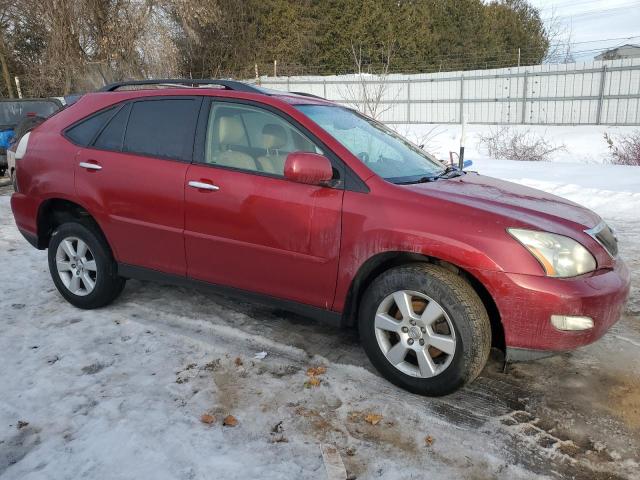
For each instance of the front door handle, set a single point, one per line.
(90, 166)
(203, 185)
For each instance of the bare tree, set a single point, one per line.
(63, 46)
(560, 38)
(368, 92)
(5, 13)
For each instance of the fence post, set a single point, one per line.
(324, 88)
(524, 97)
(461, 97)
(409, 101)
(603, 78)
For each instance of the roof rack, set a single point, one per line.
(304, 94)
(228, 84)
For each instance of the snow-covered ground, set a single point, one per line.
(583, 143)
(119, 393)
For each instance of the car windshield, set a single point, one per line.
(12, 111)
(384, 151)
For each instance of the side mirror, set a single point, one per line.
(310, 168)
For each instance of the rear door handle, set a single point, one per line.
(90, 166)
(203, 185)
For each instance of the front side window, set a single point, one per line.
(250, 138)
(384, 151)
(162, 128)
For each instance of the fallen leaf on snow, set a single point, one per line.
(230, 421)
(22, 424)
(314, 371)
(372, 418)
(279, 438)
(207, 418)
(312, 382)
(428, 440)
(238, 362)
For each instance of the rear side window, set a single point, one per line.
(84, 132)
(112, 136)
(162, 128)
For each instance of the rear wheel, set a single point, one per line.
(82, 266)
(425, 329)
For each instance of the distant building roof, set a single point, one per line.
(623, 51)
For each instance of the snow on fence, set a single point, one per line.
(603, 92)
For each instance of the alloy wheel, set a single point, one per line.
(76, 266)
(415, 334)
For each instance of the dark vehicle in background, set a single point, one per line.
(15, 111)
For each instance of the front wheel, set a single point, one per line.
(82, 266)
(425, 329)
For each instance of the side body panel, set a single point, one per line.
(139, 203)
(263, 234)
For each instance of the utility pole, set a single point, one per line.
(18, 89)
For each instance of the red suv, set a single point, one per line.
(297, 201)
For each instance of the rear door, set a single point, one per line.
(247, 226)
(131, 176)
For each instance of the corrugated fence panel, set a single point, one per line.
(573, 94)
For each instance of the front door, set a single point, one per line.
(248, 227)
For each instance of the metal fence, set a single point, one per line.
(605, 92)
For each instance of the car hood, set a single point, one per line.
(524, 204)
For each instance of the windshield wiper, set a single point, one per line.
(419, 180)
(450, 172)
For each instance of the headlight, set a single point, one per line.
(560, 256)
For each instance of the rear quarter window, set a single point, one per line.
(112, 136)
(84, 132)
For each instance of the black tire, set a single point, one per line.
(108, 285)
(464, 309)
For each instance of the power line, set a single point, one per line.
(606, 12)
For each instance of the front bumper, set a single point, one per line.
(526, 303)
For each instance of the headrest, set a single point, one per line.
(230, 131)
(273, 136)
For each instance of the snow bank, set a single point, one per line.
(584, 144)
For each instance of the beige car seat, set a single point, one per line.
(230, 132)
(274, 138)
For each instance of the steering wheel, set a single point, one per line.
(364, 156)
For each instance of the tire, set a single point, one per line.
(97, 264)
(443, 310)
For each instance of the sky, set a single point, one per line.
(595, 25)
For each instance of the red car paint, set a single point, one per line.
(307, 243)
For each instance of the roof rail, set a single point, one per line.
(228, 84)
(304, 94)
